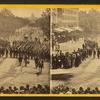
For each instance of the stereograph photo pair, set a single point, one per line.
(45, 51)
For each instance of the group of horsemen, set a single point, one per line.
(75, 58)
(25, 51)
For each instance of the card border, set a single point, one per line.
(49, 6)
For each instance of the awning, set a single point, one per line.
(64, 29)
(78, 28)
(59, 30)
(67, 29)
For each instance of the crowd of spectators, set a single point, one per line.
(39, 89)
(74, 59)
(61, 89)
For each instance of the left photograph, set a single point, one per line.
(24, 51)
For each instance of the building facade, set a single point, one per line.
(68, 17)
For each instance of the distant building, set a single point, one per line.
(65, 22)
(68, 17)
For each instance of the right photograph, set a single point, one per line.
(75, 52)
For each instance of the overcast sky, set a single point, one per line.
(25, 12)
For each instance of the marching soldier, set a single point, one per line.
(26, 60)
(98, 53)
(94, 53)
(6, 50)
(90, 52)
(20, 59)
(11, 52)
(31, 54)
(1, 50)
(36, 59)
(16, 52)
(41, 65)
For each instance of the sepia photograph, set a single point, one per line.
(24, 51)
(75, 54)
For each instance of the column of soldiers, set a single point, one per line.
(74, 59)
(25, 51)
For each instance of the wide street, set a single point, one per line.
(86, 75)
(13, 74)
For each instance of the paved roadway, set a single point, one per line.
(87, 74)
(13, 74)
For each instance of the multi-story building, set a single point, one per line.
(64, 20)
(68, 17)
